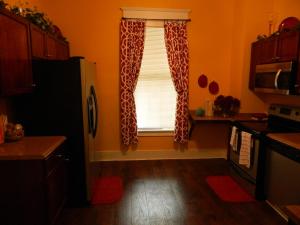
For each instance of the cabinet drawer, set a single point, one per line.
(53, 160)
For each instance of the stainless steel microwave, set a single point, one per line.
(277, 78)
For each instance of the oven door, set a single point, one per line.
(234, 156)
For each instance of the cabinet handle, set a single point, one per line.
(59, 156)
(33, 85)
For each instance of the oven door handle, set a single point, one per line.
(239, 141)
(252, 152)
(276, 78)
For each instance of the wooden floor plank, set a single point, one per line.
(169, 192)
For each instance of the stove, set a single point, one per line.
(247, 154)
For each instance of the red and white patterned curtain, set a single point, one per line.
(178, 58)
(131, 52)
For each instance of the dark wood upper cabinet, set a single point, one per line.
(15, 56)
(62, 50)
(279, 48)
(37, 42)
(46, 46)
(266, 51)
(288, 46)
(50, 47)
(20, 41)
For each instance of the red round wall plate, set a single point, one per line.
(202, 81)
(213, 88)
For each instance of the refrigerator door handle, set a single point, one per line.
(94, 122)
(90, 113)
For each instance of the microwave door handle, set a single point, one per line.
(276, 78)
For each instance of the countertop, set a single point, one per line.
(29, 148)
(237, 117)
(293, 212)
(194, 119)
(290, 139)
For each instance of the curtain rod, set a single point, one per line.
(188, 20)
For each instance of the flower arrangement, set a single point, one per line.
(34, 16)
(226, 105)
(38, 18)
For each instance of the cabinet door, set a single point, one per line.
(56, 189)
(62, 50)
(37, 42)
(288, 46)
(50, 47)
(15, 57)
(267, 51)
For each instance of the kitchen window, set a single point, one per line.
(155, 95)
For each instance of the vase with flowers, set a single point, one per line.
(226, 106)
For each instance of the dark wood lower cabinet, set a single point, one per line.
(32, 192)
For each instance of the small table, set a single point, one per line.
(194, 119)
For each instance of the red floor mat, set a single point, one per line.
(107, 190)
(228, 190)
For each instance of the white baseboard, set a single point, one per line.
(160, 154)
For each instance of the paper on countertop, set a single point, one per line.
(233, 138)
(245, 151)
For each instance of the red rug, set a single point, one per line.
(228, 190)
(107, 190)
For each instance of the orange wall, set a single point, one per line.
(219, 35)
(283, 9)
(93, 31)
(247, 27)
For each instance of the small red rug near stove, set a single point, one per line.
(227, 189)
(107, 190)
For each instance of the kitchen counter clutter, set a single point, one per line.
(30, 148)
(33, 180)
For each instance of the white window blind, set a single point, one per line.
(155, 96)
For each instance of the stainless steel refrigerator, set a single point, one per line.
(64, 103)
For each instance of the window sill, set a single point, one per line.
(155, 133)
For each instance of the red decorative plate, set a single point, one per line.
(202, 81)
(213, 88)
(288, 24)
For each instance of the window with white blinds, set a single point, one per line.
(155, 95)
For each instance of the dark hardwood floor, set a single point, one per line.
(170, 192)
